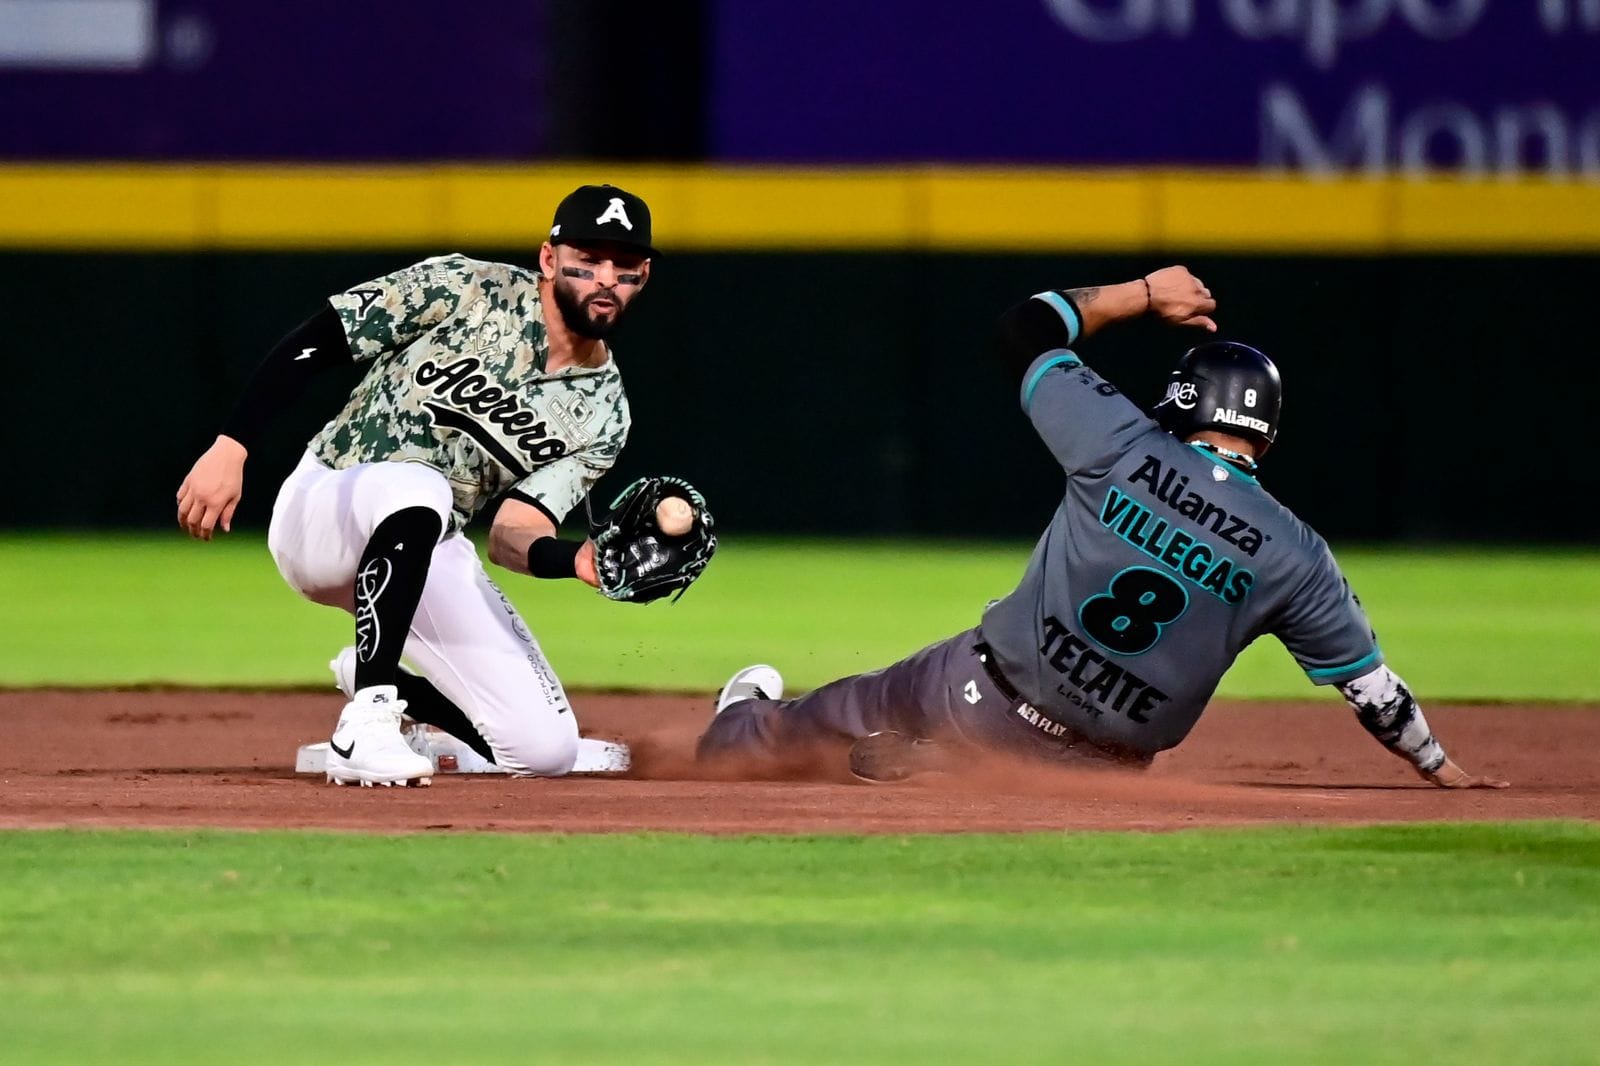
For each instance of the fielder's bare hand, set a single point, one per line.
(210, 493)
(1179, 297)
(1449, 775)
(584, 565)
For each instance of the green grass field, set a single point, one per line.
(1472, 944)
(102, 609)
(1463, 943)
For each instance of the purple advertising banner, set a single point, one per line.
(323, 80)
(1374, 86)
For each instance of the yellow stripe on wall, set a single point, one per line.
(696, 208)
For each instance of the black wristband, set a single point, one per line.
(549, 557)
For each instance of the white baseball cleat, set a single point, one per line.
(596, 756)
(759, 682)
(367, 747)
(343, 666)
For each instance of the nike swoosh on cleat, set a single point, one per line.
(344, 753)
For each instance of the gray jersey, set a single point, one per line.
(1162, 563)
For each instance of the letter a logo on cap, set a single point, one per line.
(614, 213)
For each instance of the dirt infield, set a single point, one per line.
(183, 758)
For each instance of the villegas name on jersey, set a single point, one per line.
(1184, 554)
(470, 403)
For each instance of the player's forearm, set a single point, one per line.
(551, 557)
(511, 541)
(1386, 709)
(523, 540)
(1099, 306)
(311, 348)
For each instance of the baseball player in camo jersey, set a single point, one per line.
(484, 380)
(1164, 560)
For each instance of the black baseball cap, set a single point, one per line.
(603, 213)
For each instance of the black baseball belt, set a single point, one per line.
(992, 668)
(1048, 724)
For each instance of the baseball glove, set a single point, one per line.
(636, 561)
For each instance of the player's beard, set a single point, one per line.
(575, 312)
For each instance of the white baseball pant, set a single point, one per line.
(465, 638)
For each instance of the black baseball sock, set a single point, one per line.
(428, 705)
(388, 587)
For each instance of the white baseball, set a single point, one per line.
(674, 516)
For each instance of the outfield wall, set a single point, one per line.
(1399, 201)
(1427, 396)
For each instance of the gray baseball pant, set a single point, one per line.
(943, 692)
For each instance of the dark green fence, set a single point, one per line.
(1425, 398)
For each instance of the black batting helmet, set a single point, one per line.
(1224, 386)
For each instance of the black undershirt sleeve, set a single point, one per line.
(314, 346)
(1025, 332)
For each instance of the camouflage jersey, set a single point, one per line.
(457, 381)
